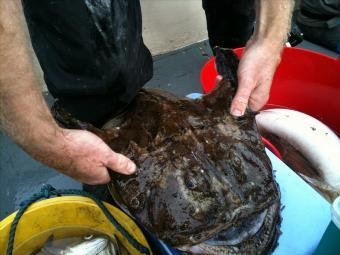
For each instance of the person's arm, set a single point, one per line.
(262, 54)
(25, 117)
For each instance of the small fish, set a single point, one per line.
(89, 246)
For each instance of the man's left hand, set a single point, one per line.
(255, 75)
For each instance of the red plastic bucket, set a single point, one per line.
(305, 81)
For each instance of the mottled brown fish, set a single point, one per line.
(204, 182)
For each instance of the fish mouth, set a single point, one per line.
(256, 234)
(238, 234)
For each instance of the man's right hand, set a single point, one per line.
(85, 157)
(25, 117)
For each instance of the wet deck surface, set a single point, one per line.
(21, 176)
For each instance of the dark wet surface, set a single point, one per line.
(21, 176)
(200, 170)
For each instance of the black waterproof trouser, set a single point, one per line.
(92, 51)
(319, 20)
(230, 23)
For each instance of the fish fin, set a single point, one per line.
(48, 248)
(66, 120)
(220, 98)
(227, 64)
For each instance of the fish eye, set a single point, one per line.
(134, 202)
(191, 183)
(195, 179)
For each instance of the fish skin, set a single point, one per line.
(200, 170)
(95, 246)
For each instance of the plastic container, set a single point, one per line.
(64, 217)
(305, 81)
(330, 242)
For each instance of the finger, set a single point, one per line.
(121, 164)
(259, 98)
(260, 95)
(240, 101)
(102, 177)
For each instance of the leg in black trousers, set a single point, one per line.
(230, 23)
(92, 53)
(93, 57)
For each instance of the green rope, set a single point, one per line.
(46, 192)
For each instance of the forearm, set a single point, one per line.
(273, 20)
(262, 55)
(24, 114)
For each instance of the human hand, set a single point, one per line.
(255, 75)
(85, 157)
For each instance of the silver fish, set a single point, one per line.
(89, 246)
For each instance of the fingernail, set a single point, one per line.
(131, 167)
(236, 113)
